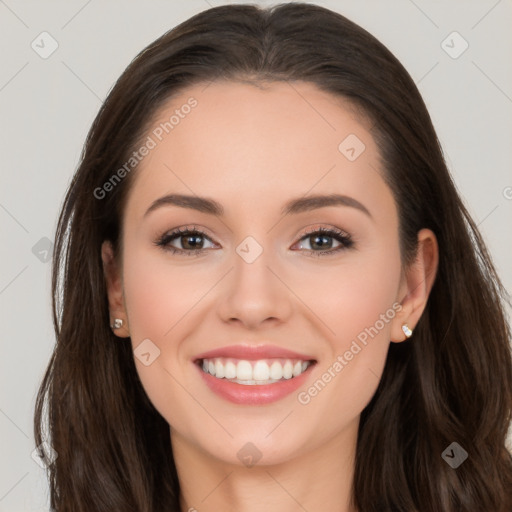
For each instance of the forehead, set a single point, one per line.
(257, 144)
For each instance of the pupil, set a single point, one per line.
(193, 245)
(321, 237)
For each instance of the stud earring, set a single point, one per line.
(118, 323)
(407, 330)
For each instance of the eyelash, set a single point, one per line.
(342, 237)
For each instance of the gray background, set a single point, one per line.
(47, 106)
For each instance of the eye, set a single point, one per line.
(319, 238)
(190, 240)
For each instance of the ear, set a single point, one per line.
(116, 304)
(416, 285)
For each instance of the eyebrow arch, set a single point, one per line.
(294, 206)
(309, 203)
(201, 204)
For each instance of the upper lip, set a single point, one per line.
(251, 352)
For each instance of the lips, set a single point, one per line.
(251, 353)
(253, 375)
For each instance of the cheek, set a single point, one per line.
(370, 291)
(358, 310)
(351, 297)
(160, 299)
(158, 294)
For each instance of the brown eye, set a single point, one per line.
(190, 240)
(321, 241)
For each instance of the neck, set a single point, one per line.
(319, 479)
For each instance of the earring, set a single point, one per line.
(118, 323)
(407, 330)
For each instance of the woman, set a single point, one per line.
(254, 375)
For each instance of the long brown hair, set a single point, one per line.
(451, 383)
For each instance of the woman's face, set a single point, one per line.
(265, 276)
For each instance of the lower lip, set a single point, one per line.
(256, 394)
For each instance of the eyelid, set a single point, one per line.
(322, 228)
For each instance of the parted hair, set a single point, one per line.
(452, 381)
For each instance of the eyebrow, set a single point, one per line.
(294, 206)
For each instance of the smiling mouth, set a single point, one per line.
(257, 372)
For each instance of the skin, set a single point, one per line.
(252, 149)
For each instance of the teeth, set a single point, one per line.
(230, 370)
(219, 369)
(265, 371)
(244, 370)
(261, 371)
(276, 371)
(288, 370)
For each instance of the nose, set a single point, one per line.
(255, 291)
